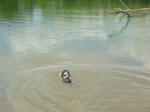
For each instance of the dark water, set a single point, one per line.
(108, 56)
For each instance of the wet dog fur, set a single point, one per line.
(66, 77)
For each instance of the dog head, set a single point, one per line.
(66, 77)
(65, 74)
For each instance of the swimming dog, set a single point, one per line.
(66, 77)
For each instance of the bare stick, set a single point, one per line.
(118, 11)
(126, 11)
(139, 10)
(124, 5)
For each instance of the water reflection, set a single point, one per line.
(116, 33)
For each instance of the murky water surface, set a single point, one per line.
(108, 56)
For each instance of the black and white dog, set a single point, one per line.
(66, 77)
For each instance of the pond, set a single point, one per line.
(107, 56)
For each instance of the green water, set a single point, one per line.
(108, 56)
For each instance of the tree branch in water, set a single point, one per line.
(127, 11)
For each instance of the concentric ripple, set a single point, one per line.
(95, 89)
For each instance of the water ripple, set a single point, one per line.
(95, 89)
